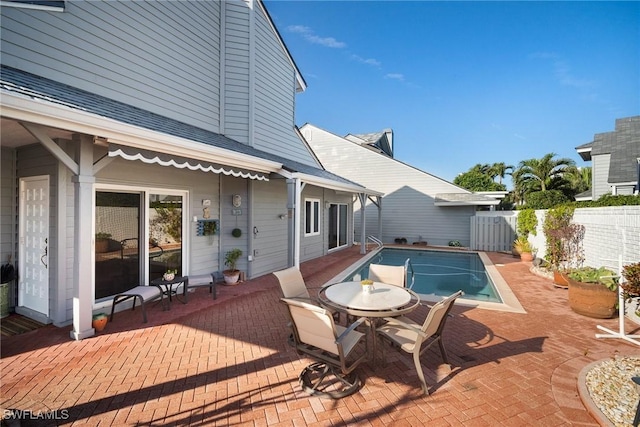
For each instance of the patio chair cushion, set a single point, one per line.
(199, 280)
(143, 294)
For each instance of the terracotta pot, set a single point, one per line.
(526, 257)
(100, 323)
(592, 299)
(560, 280)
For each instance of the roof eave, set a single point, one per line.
(53, 115)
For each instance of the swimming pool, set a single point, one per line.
(439, 273)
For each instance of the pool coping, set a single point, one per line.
(509, 302)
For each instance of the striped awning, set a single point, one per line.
(163, 159)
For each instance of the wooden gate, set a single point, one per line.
(494, 232)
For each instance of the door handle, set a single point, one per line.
(46, 252)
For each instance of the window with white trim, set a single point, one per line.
(311, 217)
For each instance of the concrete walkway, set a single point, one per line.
(227, 362)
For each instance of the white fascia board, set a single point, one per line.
(329, 183)
(66, 118)
(460, 203)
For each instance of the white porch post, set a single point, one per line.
(363, 233)
(83, 247)
(296, 229)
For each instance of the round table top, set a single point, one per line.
(384, 297)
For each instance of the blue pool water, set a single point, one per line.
(439, 273)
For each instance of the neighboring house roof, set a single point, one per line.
(586, 195)
(18, 82)
(381, 142)
(462, 199)
(623, 145)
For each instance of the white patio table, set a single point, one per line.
(384, 300)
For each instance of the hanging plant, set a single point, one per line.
(210, 228)
(236, 232)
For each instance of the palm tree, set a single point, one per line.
(545, 173)
(579, 178)
(501, 170)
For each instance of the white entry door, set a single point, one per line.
(33, 283)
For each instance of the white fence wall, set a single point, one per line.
(610, 232)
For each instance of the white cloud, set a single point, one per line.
(562, 70)
(395, 76)
(369, 61)
(309, 35)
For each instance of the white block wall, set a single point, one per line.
(609, 233)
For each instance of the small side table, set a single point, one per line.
(168, 288)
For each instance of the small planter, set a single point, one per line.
(560, 280)
(231, 278)
(526, 257)
(592, 299)
(168, 276)
(99, 322)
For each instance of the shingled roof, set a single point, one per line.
(39, 88)
(623, 145)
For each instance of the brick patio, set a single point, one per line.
(227, 362)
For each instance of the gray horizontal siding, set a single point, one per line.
(236, 71)
(600, 170)
(158, 56)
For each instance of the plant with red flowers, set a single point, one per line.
(631, 284)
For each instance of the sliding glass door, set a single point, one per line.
(139, 236)
(165, 234)
(337, 225)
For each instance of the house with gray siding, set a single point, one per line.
(615, 157)
(131, 131)
(416, 205)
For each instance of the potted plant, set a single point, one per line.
(564, 243)
(527, 222)
(593, 292)
(170, 275)
(99, 321)
(522, 246)
(232, 274)
(102, 242)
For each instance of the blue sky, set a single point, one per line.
(462, 83)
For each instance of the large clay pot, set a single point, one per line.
(592, 299)
(560, 280)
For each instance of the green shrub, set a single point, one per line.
(546, 199)
(527, 222)
(609, 200)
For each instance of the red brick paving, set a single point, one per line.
(226, 362)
